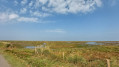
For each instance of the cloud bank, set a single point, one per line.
(34, 10)
(5, 17)
(63, 6)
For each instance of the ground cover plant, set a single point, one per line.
(62, 53)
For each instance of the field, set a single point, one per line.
(61, 53)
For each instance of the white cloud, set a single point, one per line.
(99, 3)
(65, 6)
(23, 2)
(13, 16)
(27, 19)
(56, 31)
(68, 6)
(10, 17)
(73, 6)
(6, 17)
(31, 3)
(39, 14)
(37, 4)
(15, 2)
(36, 9)
(43, 1)
(46, 9)
(23, 10)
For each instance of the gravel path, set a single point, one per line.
(3, 62)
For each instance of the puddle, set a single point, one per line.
(94, 43)
(30, 47)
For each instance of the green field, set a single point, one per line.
(60, 53)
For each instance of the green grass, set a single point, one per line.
(14, 61)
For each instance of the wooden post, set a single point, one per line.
(63, 55)
(36, 52)
(35, 49)
(108, 62)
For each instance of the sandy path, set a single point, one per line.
(3, 62)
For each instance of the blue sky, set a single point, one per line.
(59, 20)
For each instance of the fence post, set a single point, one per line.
(108, 62)
(35, 49)
(36, 52)
(63, 55)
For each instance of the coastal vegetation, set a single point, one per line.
(61, 53)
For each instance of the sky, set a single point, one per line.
(59, 20)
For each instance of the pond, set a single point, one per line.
(30, 47)
(94, 43)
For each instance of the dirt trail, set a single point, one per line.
(3, 62)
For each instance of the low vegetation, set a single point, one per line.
(60, 54)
